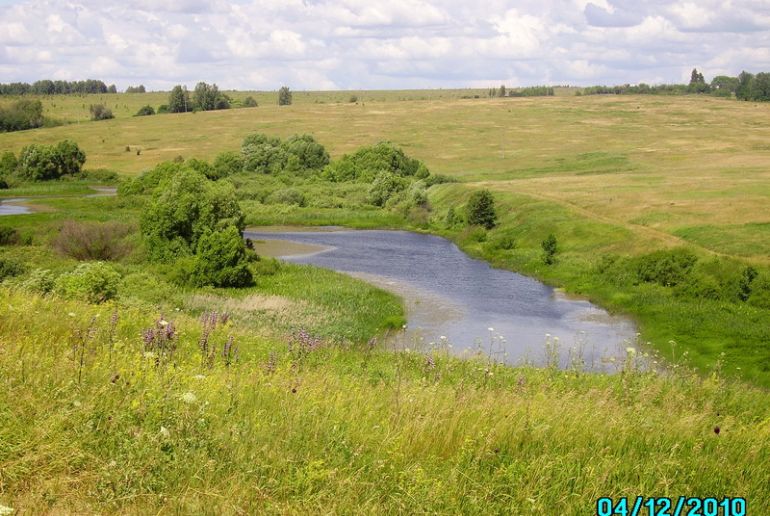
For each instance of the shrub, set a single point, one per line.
(284, 96)
(147, 110)
(93, 241)
(21, 115)
(353, 99)
(10, 268)
(221, 260)
(666, 267)
(94, 282)
(227, 163)
(249, 102)
(40, 281)
(290, 196)
(8, 163)
(183, 210)
(9, 236)
(149, 180)
(100, 112)
(263, 155)
(384, 186)
(367, 162)
(481, 209)
(438, 179)
(4, 184)
(304, 153)
(100, 174)
(45, 162)
(760, 292)
(163, 108)
(550, 248)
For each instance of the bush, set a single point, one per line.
(22, 115)
(760, 292)
(93, 241)
(9, 236)
(666, 267)
(100, 112)
(227, 163)
(221, 260)
(163, 108)
(284, 96)
(46, 162)
(304, 153)
(290, 196)
(249, 102)
(94, 282)
(100, 174)
(149, 180)
(438, 179)
(147, 110)
(263, 155)
(40, 281)
(384, 186)
(10, 268)
(367, 162)
(183, 210)
(481, 209)
(550, 248)
(8, 164)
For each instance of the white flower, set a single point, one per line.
(199, 377)
(5, 511)
(547, 335)
(164, 431)
(491, 329)
(76, 403)
(443, 337)
(631, 351)
(163, 323)
(189, 398)
(71, 314)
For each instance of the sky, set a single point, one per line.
(355, 44)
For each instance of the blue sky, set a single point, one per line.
(346, 44)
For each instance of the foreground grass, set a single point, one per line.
(93, 421)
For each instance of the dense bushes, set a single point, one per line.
(207, 97)
(667, 268)
(21, 115)
(221, 260)
(147, 110)
(49, 87)
(10, 268)
(269, 155)
(367, 162)
(93, 241)
(94, 282)
(45, 162)
(9, 236)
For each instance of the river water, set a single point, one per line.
(452, 298)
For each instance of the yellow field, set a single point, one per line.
(665, 167)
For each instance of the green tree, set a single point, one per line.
(179, 100)
(367, 162)
(759, 88)
(221, 260)
(724, 85)
(263, 154)
(8, 163)
(743, 91)
(45, 162)
(481, 209)
(284, 96)
(227, 163)
(384, 186)
(550, 248)
(305, 153)
(182, 209)
(501, 91)
(697, 82)
(208, 97)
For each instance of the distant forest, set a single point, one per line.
(49, 87)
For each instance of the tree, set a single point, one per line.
(501, 91)
(221, 260)
(21, 115)
(136, 89)
(45, 162)
(697, 82)
(284, 96)
(179, 100)
(550, 247)
(481, 209)
(304, 153)
(112, 89)
(367, 162)
(759, 88)
(724, 85)
(183, 208)
(743, 91)
(100, 112)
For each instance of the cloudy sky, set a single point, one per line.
(356, 44)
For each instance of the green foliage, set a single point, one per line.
(221, 260)
(149, 180)
(666, 267)
(94, 282)
(386, 184)
(760, 292)
(724, 85)
(249, 102)
(743, 91)
(207, 97)
(290, 196)
(226, 164)
(304, 153)
(93, 240)
(145, 111)
(480, 209)
(179, 100)
(759, 89)
(100, 112)
(40, 281)
(183, 209)
(697, 83)
(101, 175)
(163, 108)
(284, 96)
(21, 115)
(550, 248)
(9, 236)
(263, 155)
(10, 268)
(46, 162)
(136, 89)
(748, 276)
(367, 162)
(8, 164)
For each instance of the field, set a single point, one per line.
(97, 420)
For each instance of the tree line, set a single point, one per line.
(746, 86)
(530, 91)
(50, 87)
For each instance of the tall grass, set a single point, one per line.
(94, 421)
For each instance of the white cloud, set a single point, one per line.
(380, 44)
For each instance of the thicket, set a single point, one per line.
(100, 112)
(21, 115)
(45, 162)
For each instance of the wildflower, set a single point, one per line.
(199, 377)
(164, 431)
(631, 351)
(71, 314)
(189, 398)
(5, 511)
(443, 337)
(163, 323)
(76, 403)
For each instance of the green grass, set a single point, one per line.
(94, 425)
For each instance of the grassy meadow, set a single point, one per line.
(310, 415)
